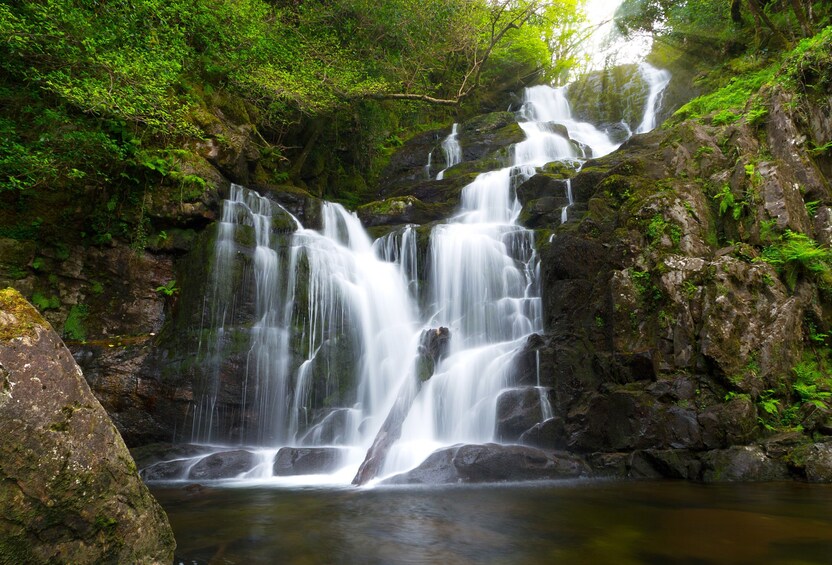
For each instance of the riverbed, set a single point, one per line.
(539, 523)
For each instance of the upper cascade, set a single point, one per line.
(452, 151)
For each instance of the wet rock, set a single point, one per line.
(223, 465)
(486, 133)
(331, 430)
(624, 419)
(433, 346)
(69, 490)
(403, 210)
(665, 463)
(167, 470)
(492, 463)
(548, 434)
(307, 460)
(437, 469)
(151, 453)
(741, 463)
(813, 462)
(731, 423)
(609, 95)
(518, 410)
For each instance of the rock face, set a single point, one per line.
(609, 96)
(69, 490)
(668, 340)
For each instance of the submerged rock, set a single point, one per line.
(69, 490)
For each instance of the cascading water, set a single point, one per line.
(452, 151)
(338, 318)
(657, 81)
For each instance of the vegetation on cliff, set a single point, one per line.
(107, 96)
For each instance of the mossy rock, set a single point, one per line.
(69, 490)
(486, 123)
(609, 96)
(18, 318)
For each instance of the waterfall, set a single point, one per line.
(484, 286)
(657, 80)
(243, 210)
(338, 317)
(452, 151)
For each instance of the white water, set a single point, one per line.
(657, 80)
(338, 317)
(452, 151)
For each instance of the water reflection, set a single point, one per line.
(576, 522)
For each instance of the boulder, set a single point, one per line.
(223, 465)
(307, 460)
(69, 490)
(665, 463)
(741, 463)
(548, 434)
(331, 430)
(492, 462)
(813, 462)
(433, 346)
(518, 410)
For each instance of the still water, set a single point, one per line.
(540, 523)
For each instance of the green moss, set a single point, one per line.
(728, 102)
(390, 206)
(74, 326)
(41, 302)
(19, 317)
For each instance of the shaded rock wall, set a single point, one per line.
(665, 331)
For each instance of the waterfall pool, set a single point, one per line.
(526, 523)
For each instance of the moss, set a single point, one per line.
(389, 207)
(41, 302)
(488, 122)
(74, 326)
(17, 317)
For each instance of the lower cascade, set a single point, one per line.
(365, 357)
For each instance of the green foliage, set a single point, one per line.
(659, 226)
(43, 303)
(74, 326)
(812, 384)
(727, 104)
(770, 406)
(642, 281)
(168, 289)
(795, 255)
(727, 202)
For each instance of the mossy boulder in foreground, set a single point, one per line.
(69, 490)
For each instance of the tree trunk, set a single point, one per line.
(760, 14)
(297, 165)
(797, 8)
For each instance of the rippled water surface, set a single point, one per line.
(583, 522)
